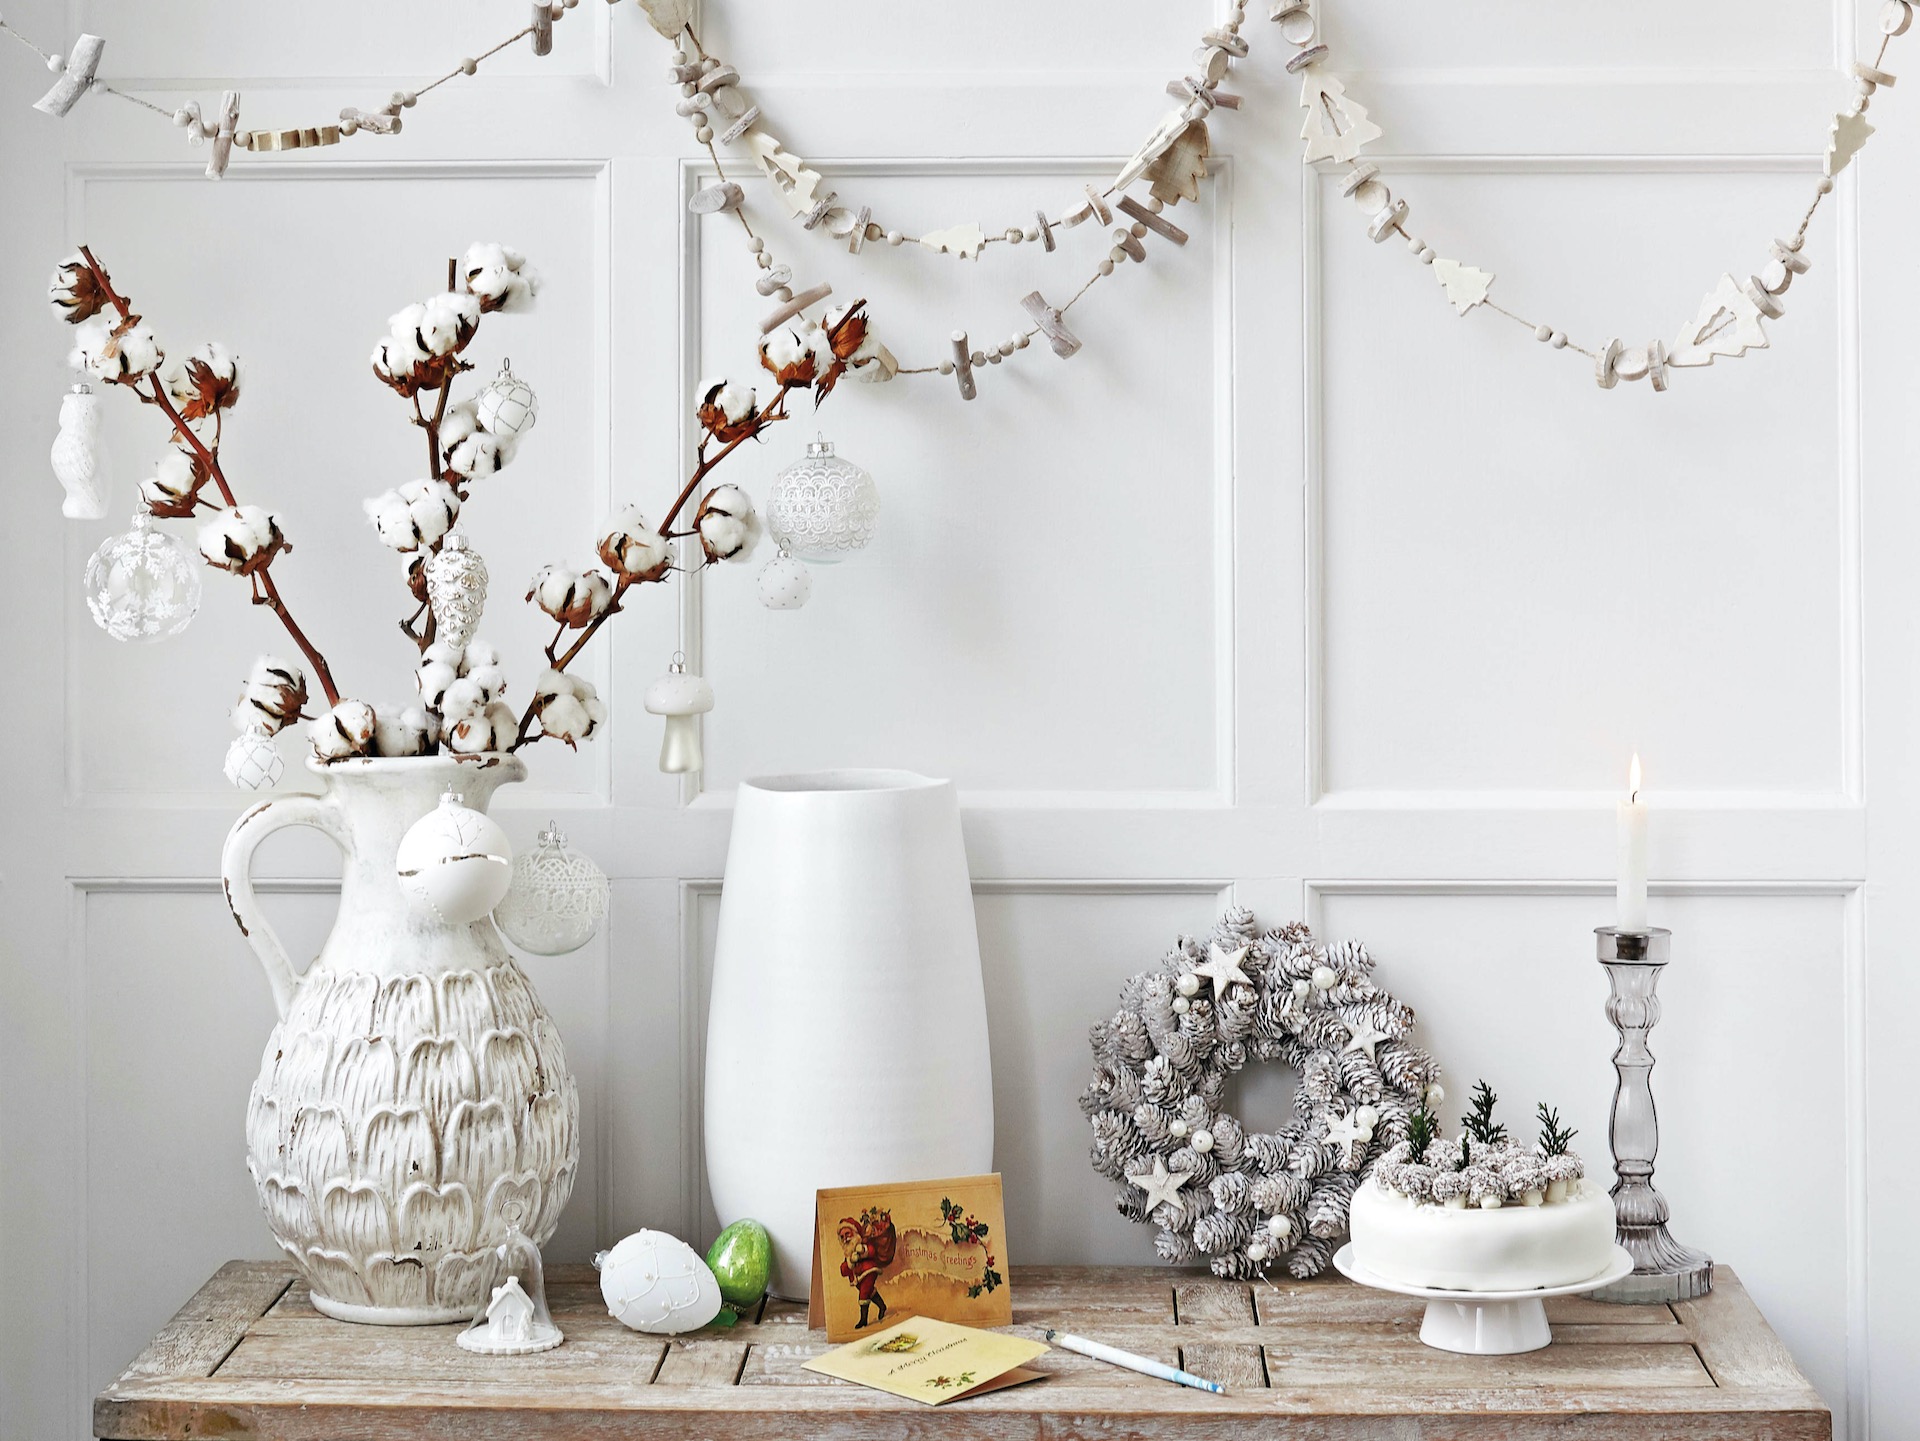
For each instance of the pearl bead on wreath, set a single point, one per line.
(1188, 985)
(1324, 978)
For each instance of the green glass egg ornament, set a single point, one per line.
(741, 1258)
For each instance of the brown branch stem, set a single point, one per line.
(271, 592)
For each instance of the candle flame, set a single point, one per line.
(1633, 778)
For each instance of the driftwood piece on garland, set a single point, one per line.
(1063, 341)
(793, 307)
(963, 365)
(1158, 224)
(229, 124)
(75, 80)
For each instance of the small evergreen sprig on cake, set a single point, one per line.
(1481, 1167)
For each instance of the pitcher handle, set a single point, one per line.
(236, 863)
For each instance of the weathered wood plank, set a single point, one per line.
(1213, 1303)
(209, 1326)
(1238, 1368)
(1737, 1345)
(1307, 1362)
(702, 1363)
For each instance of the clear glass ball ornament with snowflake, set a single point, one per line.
(143, 585)
(823, 507)
(557, 899)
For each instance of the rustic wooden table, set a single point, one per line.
(248, 1356)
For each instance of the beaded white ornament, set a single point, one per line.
(508, 406)
(457, 590)
(253, 760)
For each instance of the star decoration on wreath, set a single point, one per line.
(1160, 1185)
(1223, 969)
(1216, 1189)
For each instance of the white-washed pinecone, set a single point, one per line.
(1309, 1158)
(1229, 1141)
(1231, 1056)
(1231, 1190)
(1176, 1049)
(1112, 1167)
(1349, 957)
(1130, 1037)
(1219, 1231)
(1131, 1204)
(1125, 1094)
(1175, 1215)
(1202, 1167)
(1197, 1114)
(1236, 1265)
(1173, 1247)
(1115, 1134)
(1281, 1194)
(1268, 1153)
(1156, 1007)
(1361, 1078)
(1327, 1207)
(1405, 1068)
(1310, 1257)
(1158, 1082)
(1097, 1095)
(1234, 1018)
(1319, 1077)
(1212, 1087)
(1151, 1121)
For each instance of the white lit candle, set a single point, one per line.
(1631, 887)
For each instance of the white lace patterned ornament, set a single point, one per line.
(457, 590)
(144, 585)
(253, 760)
(79, 457)
(454, 863)
(822, 508)
(508, 406)
(557, 900)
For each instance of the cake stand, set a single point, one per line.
(1484, 1323)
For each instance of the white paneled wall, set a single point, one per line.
(1292, 588)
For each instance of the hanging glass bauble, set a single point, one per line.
(457, 590)
(253, 760)
(822, 508)
(144, 585)
(557, 900)
(508, 406)
(785, 583)
(80, 457)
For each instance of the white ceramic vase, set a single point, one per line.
(414, 1099)
(847, 1022)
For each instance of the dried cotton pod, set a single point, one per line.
(126, 352)
(728, 525)
(242, 539)
(574, 598)
(273, 698)
(418, 513)
(634, 550)
(499, 277)
(75, 294)
(346, 730)
(729, 412)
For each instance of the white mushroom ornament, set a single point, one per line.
(680, 697)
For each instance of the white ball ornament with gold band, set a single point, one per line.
(454, 863)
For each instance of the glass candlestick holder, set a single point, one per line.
(1663, 1269)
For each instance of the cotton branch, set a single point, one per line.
(265, 591)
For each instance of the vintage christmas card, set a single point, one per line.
(916, 1248)
(933, 1361)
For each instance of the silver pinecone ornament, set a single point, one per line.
(457, 590)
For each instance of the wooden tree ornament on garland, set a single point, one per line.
(1246, 1200)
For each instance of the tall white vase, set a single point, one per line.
(847, 1026)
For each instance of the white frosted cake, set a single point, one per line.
(1481, 1213)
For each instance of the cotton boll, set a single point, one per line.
(346, 730)
(463, 698)
(203, 382)
(448, 655)
(398, 732)
(113, 358)
(75, 294)
(568, 707)
(633, 549)
(476, 654)
(728, 411)
(457, 424)
(447, 322)
(480, 454)
(729, 526)
(417, 514)
(491, 729)
(241, 539)
(272, 698)
(500, 277)
(792, 353)
(575, 599)
(169, 491)
(433, 679)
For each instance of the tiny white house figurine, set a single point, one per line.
(513, 1319)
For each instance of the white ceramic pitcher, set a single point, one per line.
(414, 1098)
(847, 1022)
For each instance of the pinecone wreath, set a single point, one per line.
(1160, 1071)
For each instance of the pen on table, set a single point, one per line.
(1142, 1364)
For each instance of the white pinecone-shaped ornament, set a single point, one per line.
(457, 590)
